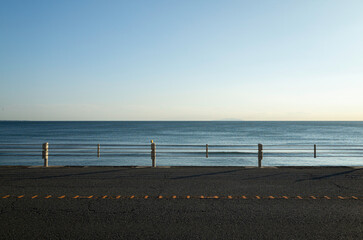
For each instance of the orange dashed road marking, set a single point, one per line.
(186, 197)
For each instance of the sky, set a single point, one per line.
(181, 60)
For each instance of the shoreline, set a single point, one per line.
(163, 167)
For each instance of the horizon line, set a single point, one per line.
(181, 120)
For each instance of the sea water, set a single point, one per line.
(185, 132)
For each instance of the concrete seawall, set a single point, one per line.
(181, 202)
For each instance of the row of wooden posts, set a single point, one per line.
(153, 153)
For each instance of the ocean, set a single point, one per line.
(189, 133)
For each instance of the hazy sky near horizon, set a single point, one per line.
(181, 60)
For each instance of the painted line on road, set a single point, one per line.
(257, 197)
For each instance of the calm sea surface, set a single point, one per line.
(218, 132)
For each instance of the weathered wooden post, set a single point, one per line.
(45, 154)
(206, 150)
(260, 155)
(314, 150)
(98, 150)
(153, 153)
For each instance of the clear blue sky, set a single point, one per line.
(181, 60)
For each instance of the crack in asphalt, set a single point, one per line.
(89, 207)
(339, 186)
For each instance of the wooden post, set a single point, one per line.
(206, 150)
(314, 150)
(45, 154)
(260, 155)
(98, 150)
(153, 153)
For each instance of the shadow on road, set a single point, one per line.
(79, 174)
(328, 176)
(265, 176)
(224, 172)
(206, 174)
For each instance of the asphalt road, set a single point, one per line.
(181, 203)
